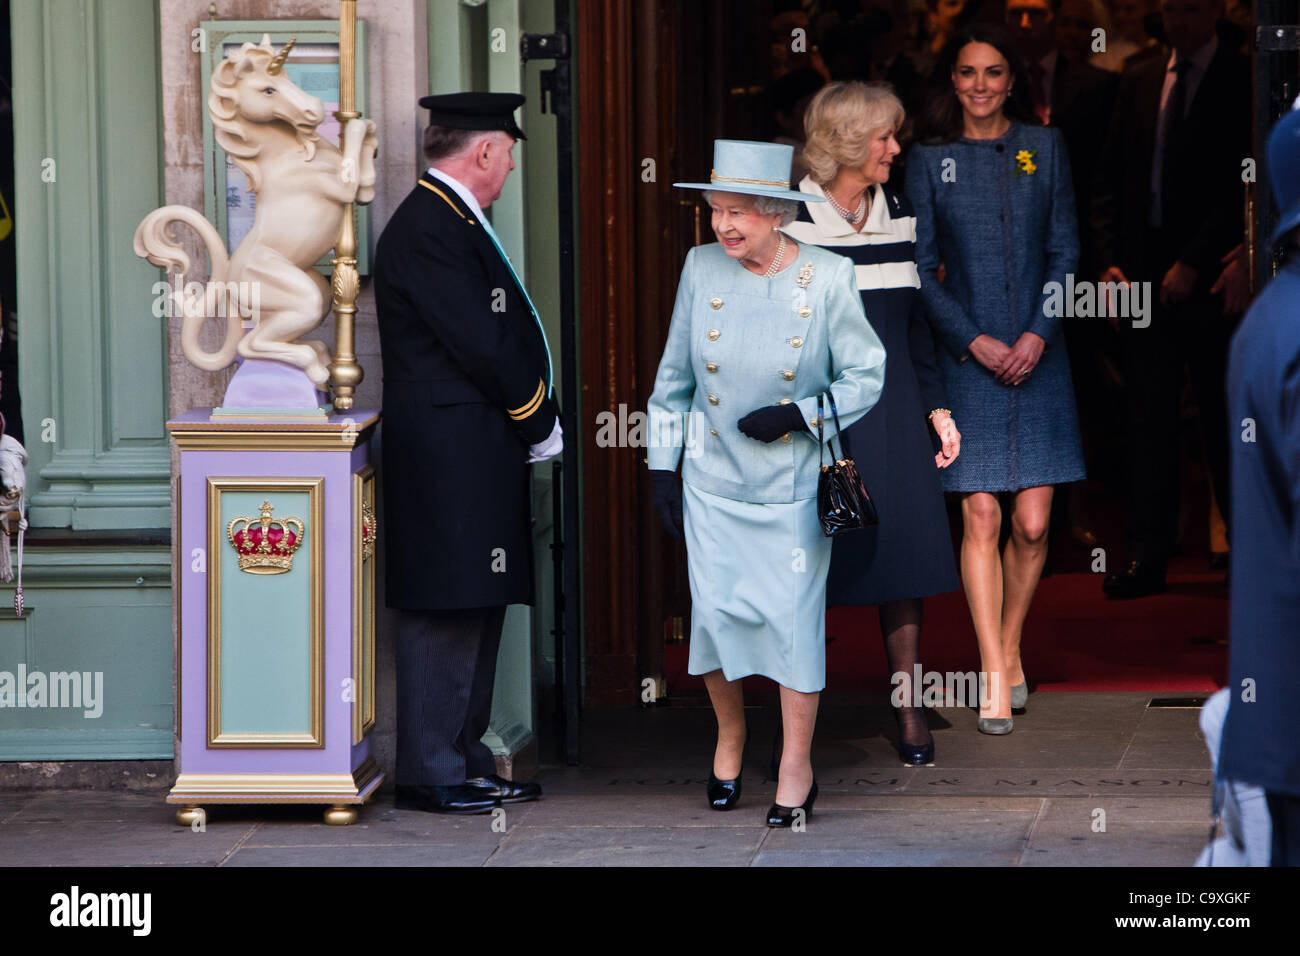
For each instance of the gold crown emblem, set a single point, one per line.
(266, 545)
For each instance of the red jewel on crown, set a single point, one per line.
(368, 531)
(265, 545)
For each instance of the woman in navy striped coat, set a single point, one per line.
(901, 444)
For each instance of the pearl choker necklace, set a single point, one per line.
(852, 217)
(775, 267)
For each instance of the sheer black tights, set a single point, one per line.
(900, 623)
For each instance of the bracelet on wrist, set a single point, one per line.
(937, 411)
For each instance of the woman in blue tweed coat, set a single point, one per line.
(995, 208)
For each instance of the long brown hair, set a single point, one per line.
(940, 119)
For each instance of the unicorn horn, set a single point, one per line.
(278, 62)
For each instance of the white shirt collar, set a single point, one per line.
(832, 225)
(1201, 58)
(461, 190)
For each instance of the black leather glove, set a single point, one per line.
(668, 502)
(770, 422)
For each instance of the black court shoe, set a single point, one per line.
(784, 817)
(723, 794)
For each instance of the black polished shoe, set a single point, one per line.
(916, 755)
(1139, 579)
(780, 816)
(445, 799)
(507, 791)
(723, 794)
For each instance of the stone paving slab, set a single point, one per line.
(1141, 844)
(116, 843)
(381, 824)
(910, 856)
(629, 846)
(363, 855)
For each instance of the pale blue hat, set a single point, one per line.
(756, 169)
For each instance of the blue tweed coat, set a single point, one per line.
(1000, 238)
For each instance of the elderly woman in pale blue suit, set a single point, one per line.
(761, 328)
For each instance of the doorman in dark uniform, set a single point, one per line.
(467, 406)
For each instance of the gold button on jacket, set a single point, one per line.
(750, 341)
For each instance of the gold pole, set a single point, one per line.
(345, 373)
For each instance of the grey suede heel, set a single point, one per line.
(996, 725)
(1019, 696)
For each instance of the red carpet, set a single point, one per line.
(1075, 639)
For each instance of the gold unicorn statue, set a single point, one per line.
(303, 186)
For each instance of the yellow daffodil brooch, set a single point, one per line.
(1025, 162)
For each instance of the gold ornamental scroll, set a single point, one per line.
(345, 373)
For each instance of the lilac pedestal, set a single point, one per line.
(276, 691)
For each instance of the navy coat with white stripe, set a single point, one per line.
(909, 554)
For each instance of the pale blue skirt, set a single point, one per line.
(758, 589)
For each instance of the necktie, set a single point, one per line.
(496, 241)
(1172, 143)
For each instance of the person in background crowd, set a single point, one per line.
(1002, 228)
(908, 556)
(785, 57)
(1260, 744)
(1125, 36)
(1077, 23)
(1167, 211)
(942, 20)
(789, 97)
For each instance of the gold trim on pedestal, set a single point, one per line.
(263, 436)
(195, 789)
(315, 488)
(363, 621)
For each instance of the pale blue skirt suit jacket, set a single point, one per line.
(756, 555)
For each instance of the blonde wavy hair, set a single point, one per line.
(840, 122)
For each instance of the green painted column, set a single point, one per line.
(98, 621)
(93, 354)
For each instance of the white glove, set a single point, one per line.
(552, 446)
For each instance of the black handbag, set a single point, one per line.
(843, 502)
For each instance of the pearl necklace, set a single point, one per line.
(775, 267)
(852, 217)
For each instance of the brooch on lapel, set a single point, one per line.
(1025, 162)
(800, 291)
